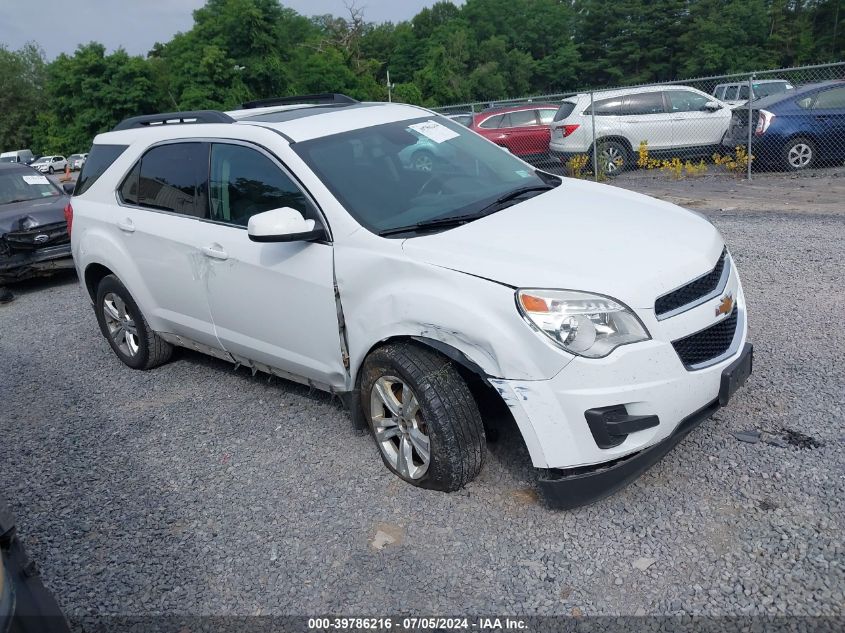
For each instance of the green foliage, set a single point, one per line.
(21, 94)
(240, 50)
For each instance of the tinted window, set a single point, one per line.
(719, 92)
(607, 107)
(129, 187)
(492, 122)
(644, 103)
(765, 90)
(564, 110)
(743, 91)
(830, 99)
(686, 101)
(173, 178)
(520, 118)
(244, 182)
(99, 160)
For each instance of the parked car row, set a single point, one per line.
(793, 128)
(45, 164)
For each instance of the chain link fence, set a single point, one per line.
(787, 119)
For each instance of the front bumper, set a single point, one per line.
(579, 486)
(41, 261)
(596, 415)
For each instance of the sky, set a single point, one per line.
(60, 25)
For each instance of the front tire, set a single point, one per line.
(50, 170)
(125, 328)
(799, 154)
(423, 417)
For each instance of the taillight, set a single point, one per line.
(69, 217)
(569, 129)
(764, 120)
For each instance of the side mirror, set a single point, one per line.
(712, 106)
(283, 225)
(69, 187)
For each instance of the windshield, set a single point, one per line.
(8, 159)
(403, 173)
(765, 90)
(17, 186)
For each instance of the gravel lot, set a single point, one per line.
(196, 489)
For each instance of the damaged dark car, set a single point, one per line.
(34, 239)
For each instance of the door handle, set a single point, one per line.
(127, 226)
(215, 251)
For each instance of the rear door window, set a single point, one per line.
(174, 177)
(644, 103)
(719, 93)
(492, 123)
(520, 118)
(730, 93)
(99, 160)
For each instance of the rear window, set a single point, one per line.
(99, 160)
(564, 110)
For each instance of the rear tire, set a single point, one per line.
(799, 154)
(423, 417)
(125, 328)
(613, 158)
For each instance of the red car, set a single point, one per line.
(522, 129)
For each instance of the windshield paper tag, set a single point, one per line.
(434, 131)
(36, 180)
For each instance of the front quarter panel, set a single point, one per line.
(386, 295)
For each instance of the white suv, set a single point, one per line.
(50, 164)
(292, 239)
(674, 121)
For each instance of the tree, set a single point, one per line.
(22, 77)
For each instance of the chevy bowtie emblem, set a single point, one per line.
(726, 305)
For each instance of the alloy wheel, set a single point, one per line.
(121, 325)
(399, 428)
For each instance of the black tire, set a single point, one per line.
(51, 170)
(448, 413)
(152, 350)
(613, 158)
(799, 154)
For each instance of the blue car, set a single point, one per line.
(795, 130)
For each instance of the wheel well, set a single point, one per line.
(93, 276)
(618, 139)
(494, 412)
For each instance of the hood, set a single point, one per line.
(42, 210)
(581, 236)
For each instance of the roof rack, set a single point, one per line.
(171, 118)
(324, 98)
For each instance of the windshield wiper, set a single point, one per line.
(458, 220)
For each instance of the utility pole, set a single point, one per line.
(390, 88)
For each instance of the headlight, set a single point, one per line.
(581, 323)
